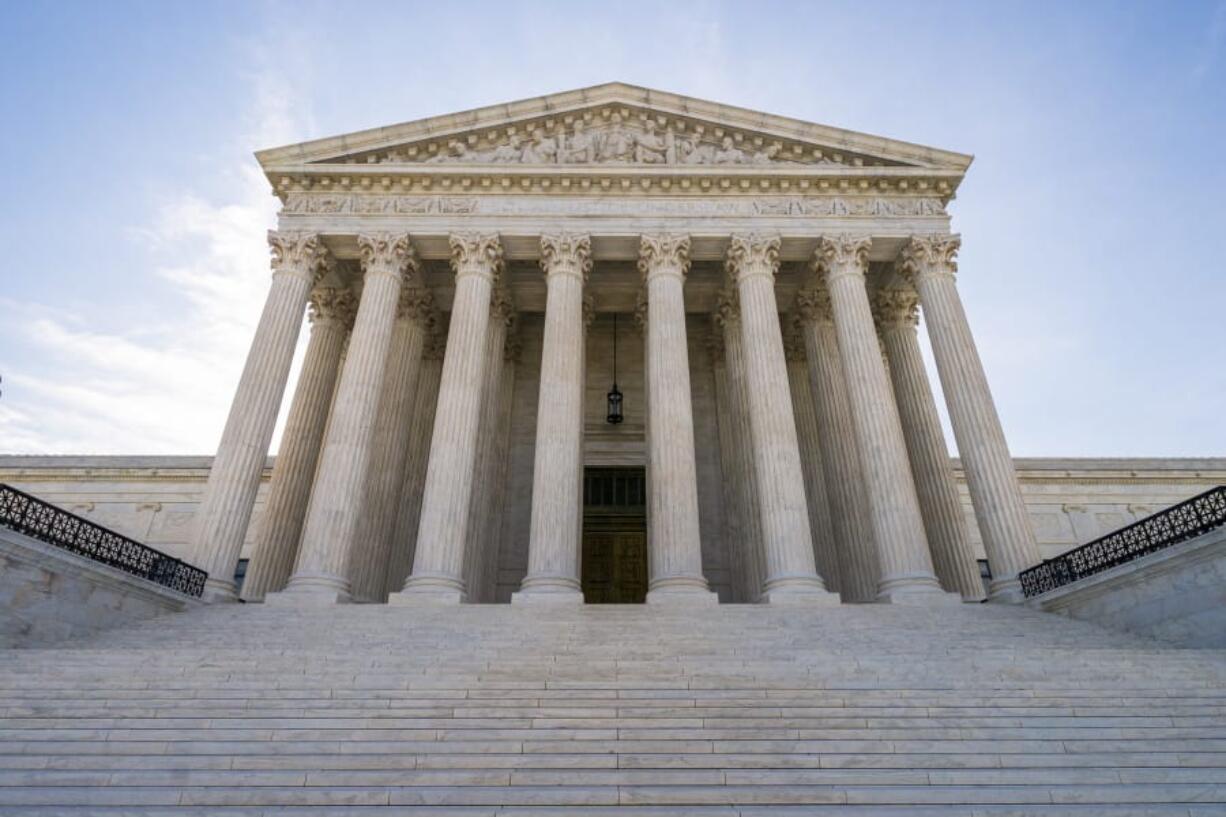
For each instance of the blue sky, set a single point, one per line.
(1093, 217)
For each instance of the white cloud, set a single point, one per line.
(163, 386)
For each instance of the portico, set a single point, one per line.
(462, 275)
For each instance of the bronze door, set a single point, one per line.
(614, 569)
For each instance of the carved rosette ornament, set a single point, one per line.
(929, 255)
(387, 254)
(753, 254)
(566, 254)
(842, 254)
(813, 303)
(298, 253)
(332, 305)
(895, 308)
(664, 254)
(476, 254)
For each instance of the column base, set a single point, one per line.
(800, 597)
(798, 590)
(429, 590)
(915, 592)
(681, 593)
(310, 591)
(542, 598)
(549, 591)
(1006, 591)
(218, 591)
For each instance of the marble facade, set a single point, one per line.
(761, 256)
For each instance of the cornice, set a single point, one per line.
(677, 180)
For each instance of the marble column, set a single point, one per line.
(1003, 522)
(730, 478)
(787, 542)
(673, 535)
(394, 420)
(502, 315)
(280, 528)
(825, 551)
(494, 520)
(836, 433)
(438, 563)
(554, 544)
(321, 574)
(408, 507)
(897, 315)
(728, 317)
(298, 262)
(898, 526)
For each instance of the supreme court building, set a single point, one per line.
(613, 345)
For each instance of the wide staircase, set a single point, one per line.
(970, 710)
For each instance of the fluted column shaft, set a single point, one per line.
(408, 508)
(554, 545)
(787, 541)
(940, 504)
(673, 533)
(750, 544)
(234, 479)
(825, 551)
(442, 535)
(494, 520)
(898, 526)
(850, 518)
(280, 529)
(394, 422)
(480, 504)
(999, 508)
(733, 510)
(329, 536)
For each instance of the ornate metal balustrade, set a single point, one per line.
(43, 521)
(1178, 523)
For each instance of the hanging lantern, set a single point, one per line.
(614, 415)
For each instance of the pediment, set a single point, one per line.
(609, 126)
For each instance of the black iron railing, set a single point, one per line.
(1178, 523)
(56, 526)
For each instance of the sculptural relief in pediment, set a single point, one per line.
(616, 137)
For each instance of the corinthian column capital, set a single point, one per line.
(926, 256)
(416, 304)
(895, 308)
(476, 254)
(842, 254)
(299, 253)
(753, 254)
(387, 254)
(566, 254)
(813, 304)
(727, 307)
(332, 305)
(664, 254)
(793, 338)
(502, 307)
